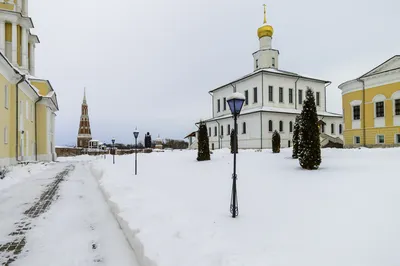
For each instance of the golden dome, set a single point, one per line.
(265, 30)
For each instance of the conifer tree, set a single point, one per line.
(309, 145)
(276, 142)
(233, 136)
(203, 153)
(296, 138)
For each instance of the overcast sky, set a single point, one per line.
(151, 64)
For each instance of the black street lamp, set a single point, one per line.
(113, 149)
(136, 135)
(235, 102)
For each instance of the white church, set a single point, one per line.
(274, 98)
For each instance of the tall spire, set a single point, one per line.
(84, 95)
(265, 13)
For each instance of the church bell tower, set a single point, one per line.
(265, 57)
(84, 132)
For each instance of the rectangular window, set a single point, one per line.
(246, 96)
(215, 131)
(290, 95)
(229, 130)
(397, 107)
(332, 128)
(280, 94)
(224, 104)
(356, 112)
(380, 139)
(318, 101)
(255, 96)
(379, 109)
(222, 130)
(6, 96)
(357, 140)
(209, 131)
(273, 61)
(270, 93)
(218, 105)
(256, 63)
(300, 97)
(5, 135)
(397, 138)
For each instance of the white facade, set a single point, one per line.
(271, 95)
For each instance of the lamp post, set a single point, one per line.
(235, 102)
(113, 149)
(136, 135)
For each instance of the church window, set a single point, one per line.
(397, 139)
(397, 107)
(290, 95)
(280, 126)
(323, 128)
(340, 129)
(209, 131)
(300, 97)
(6, 97)
(379, 109)
(356, 112)
(224, 104)
(244, 128)
(219, 105)
(318, 100)
(255, 96)
(215, 131)
(332, 128)
(270, 93)
(270, 126)
(222, 130)
(380, 139)
(280, 94)
(357, 140)
(246, 96)
(291, 126)
(273, 61)
(229, 130)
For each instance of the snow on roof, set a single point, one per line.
(274, 110)
(236, 95)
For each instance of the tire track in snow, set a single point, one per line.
(9, 251)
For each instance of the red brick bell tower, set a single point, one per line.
(84, 132)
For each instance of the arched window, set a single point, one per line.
(270, 127)
(244, 127)
(291, 126)
(280, 126)
(340, 129)
(333, 128)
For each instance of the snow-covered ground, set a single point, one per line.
(346, 213)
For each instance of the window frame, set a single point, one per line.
(209, 131)
(333, 128)
(340, 129)
(355, 140)
(280, 126)
(397, 141)
(354, 113)
(229, 130)
(290, 95)
(270, 126)
(222, 130)
(271, 94)
(244, 128)
(396, 108)
(224, 104)
(6, 97)
(281, 95)
(381, 108)
(317, 96)
(300, 96)
(377, 139)
(256, 63)
(291, 127)
(246, 97)
(5, 137)
(273, 61)
(215, 131)
(218, 105)
(255, 95)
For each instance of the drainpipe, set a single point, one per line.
(23, 78)
(261, 129)
(219, 134)
(329, 83)
(212, 101)
(295, 93)
(36, 138)
(363, 111)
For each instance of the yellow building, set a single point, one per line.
(27, 104)
(371, 106)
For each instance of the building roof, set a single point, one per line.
(274, 110)
(271, 71)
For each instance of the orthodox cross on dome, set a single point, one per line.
(265, 13)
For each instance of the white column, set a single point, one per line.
(14, 56)
(3, 37)
(32, 60)
(19, 5)
(24, 48)
(25, 7)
